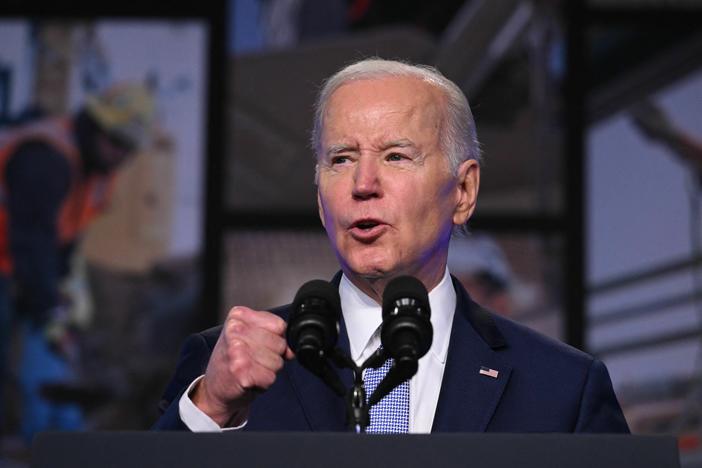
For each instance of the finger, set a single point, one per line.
(256, 377)
(268, 359)
(261, 338)
(256, 338)
(260, 318)
(289, 354)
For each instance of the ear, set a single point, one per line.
(467, 185)
(320, 208)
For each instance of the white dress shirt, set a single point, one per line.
(363, 316)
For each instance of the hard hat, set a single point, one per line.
(479, 253)
(124, 110)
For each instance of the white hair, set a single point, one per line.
(458, 139)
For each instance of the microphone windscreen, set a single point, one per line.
(318, 289)
(404, 287)
(313, 329)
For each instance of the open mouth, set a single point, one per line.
(365, 225)
(367, 230)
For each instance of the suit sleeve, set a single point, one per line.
(599, 408)
(192, 363)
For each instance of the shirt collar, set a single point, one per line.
(363, 316)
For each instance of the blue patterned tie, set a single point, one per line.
(391, 414)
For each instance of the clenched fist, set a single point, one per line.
(249, 353)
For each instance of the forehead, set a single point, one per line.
(388, 104)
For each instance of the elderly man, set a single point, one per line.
(397, 171)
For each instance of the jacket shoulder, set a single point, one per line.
(520, 338)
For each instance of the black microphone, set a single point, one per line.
(313, 329)
(406, 333)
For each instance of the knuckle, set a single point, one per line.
(279, 346)
(277, 322)
(239, 366)
(234, 327)
(280, 326)
(237, 312)
(237, 327)
(236, 351)
(238, 346)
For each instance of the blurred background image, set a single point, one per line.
(588, 221)
(102, 162)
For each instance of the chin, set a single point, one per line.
(371, 267)
(369, 271)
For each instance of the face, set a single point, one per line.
(110, 152)
(386, 195)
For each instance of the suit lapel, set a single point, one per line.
(468, 398)
(324, 410)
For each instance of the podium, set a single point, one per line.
(341, 450)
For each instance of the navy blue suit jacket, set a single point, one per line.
(542, 385)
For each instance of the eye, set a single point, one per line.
(392, 157)
(336, 160)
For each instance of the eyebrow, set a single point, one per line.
(401, 143)
(343, 148)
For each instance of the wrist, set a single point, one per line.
(225, 415)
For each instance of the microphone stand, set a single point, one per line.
(357, 407)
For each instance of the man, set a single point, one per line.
(56, 176)
(397, 170)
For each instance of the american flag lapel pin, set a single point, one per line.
(489, 372)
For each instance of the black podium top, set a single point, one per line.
(177, 449)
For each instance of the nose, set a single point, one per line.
(366, 179)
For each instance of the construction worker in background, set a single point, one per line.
(55, 178)
(481, 265)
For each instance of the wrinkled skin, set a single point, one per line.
(386, 195)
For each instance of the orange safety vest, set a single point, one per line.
(87, 196)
